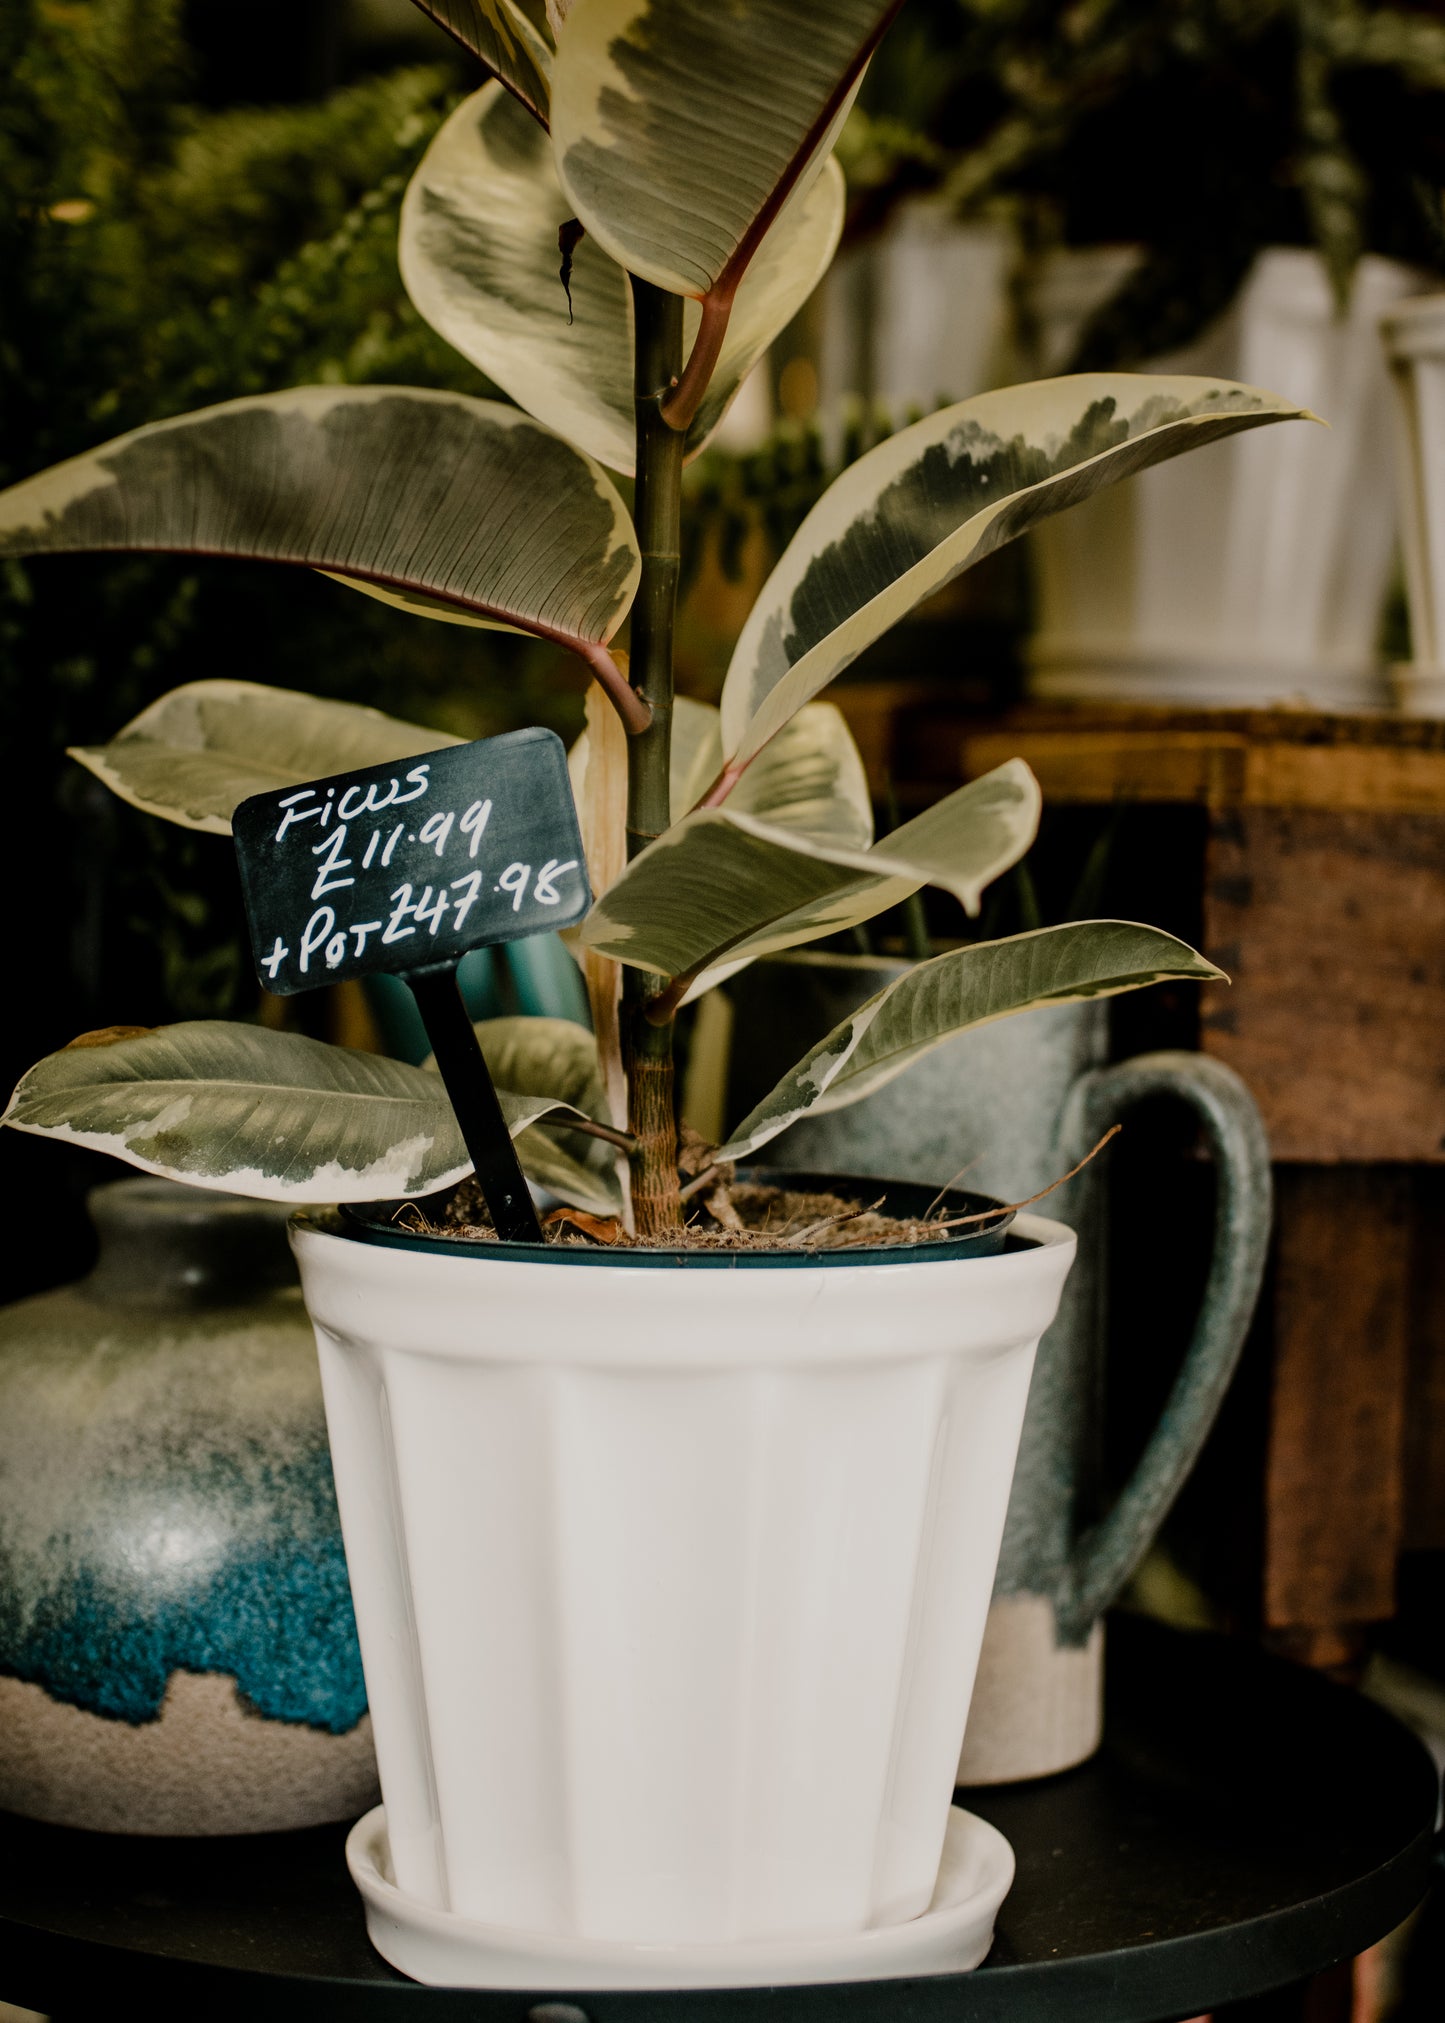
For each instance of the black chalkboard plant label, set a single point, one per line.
(407, 866)
(403, 868)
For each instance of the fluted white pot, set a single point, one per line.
(1253, 571)
(917, 315)
(1415, 342)
(671, 1582)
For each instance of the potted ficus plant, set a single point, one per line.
(671, 1548)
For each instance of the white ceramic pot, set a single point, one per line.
(1415, 343)
(1253, 571)
(671, 1582)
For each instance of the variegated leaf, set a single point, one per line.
(811, 777)
(479, 257)
(591, 1184)
(421, 606)
(969, 987)
(516, 39)
(681, 126)
(721, 887)
(810, 780)
(200, 751)
(695, 754)
(555, 1058)
(393, 488)
(273, 1115)
(939, 496)
(554, 1061)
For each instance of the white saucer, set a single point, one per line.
(448, 1951)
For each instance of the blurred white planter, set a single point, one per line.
(1415, 342)
(670, 1582)
(1253, 571)
(1064, 290)
(917, 316)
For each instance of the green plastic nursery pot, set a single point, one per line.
(670, 1591)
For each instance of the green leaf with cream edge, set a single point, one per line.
(197, 753)
(478, 255)
(516, 39)
(555, 1061)
(273, 1115)
(936, 498)
(456, 507)
(721, 887)
(947, 995)
(811, 777)
(682, 127)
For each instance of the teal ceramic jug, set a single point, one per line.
(1015, 1104)
(177, 1648)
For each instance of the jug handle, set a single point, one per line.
(1107, 1554)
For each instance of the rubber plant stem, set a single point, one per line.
(657, 513)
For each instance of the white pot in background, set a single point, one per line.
(1415, 343)
(1253, 571)
(1066, 288)
(671, 1582)
(915, 317)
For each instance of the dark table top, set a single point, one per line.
(1245, 1824)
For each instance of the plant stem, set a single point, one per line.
(657, 512)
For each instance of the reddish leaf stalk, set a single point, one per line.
(682, 403)
(633, 708)
(661, 1009)
(723, 785)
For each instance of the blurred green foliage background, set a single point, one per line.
(200, 202)
(160, 254)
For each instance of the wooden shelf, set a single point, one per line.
(1222, 759)
(1323, 893)
(1315, 871)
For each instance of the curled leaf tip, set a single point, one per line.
(570, 234)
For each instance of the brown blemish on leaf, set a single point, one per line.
(108, 1036)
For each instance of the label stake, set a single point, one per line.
(400, 869)
(469, 1084)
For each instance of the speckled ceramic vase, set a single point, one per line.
(177, 1648)
(1017, 1103)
